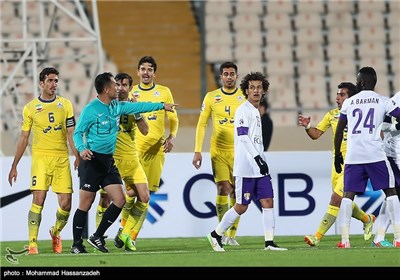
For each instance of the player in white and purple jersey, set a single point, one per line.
(251, 172)
(391, 140)
(363, 114)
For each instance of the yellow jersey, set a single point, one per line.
(221, 106)
(48, 122)
(152, 142)
(125, 147)
(331, 120)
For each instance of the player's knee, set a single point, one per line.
(145, 198)
(120, 202)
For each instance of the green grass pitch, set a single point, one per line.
(196, 252)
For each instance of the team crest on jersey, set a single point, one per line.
(246, 196)
(240, 98)
(39, 108)
(241, 121)
(218, 98)
(59, 105)
(136, 94)
(156, 93)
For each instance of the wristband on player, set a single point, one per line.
(307, 127)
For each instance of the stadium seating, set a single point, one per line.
(326, 40)
(285, 118)
(281, 93)
(75, 58)
(277, 37)
(249, 7)
(313, 91)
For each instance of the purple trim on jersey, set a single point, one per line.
(395, 113)
(396, 171)
(342, 117)
(241, 130)
(357, 175)
(255, 189)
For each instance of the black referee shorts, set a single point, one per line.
(98, 172)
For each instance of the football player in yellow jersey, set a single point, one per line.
(221, 105)
(52, 122)
(127, 162)
(345, 90)
(153, 146)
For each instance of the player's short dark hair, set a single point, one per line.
(47, 71)
(368, 75)
(227, 64)
(102, 81)
(351, 88)
(148, 59)
(254, 76)
(121, 76)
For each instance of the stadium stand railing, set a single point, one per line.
(37, 34)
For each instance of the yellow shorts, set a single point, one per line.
(337, 181)
(152, 166)
(51, 171)
(131, 172)
(222, 165)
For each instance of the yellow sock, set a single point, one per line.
(140, 216)
(127, 209)
(99, 214)
(221, 205)
(128, 225)
(231, 232)
(359, 214)
(34, 219)
(61, 221)
(134, 234)
(327, 221)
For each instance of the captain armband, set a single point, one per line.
(70, 122)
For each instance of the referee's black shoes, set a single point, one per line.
(78, 248)
(98, 243)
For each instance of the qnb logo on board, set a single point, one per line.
(155, 208)
(370, 201)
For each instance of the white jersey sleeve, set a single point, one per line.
(392, 135)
